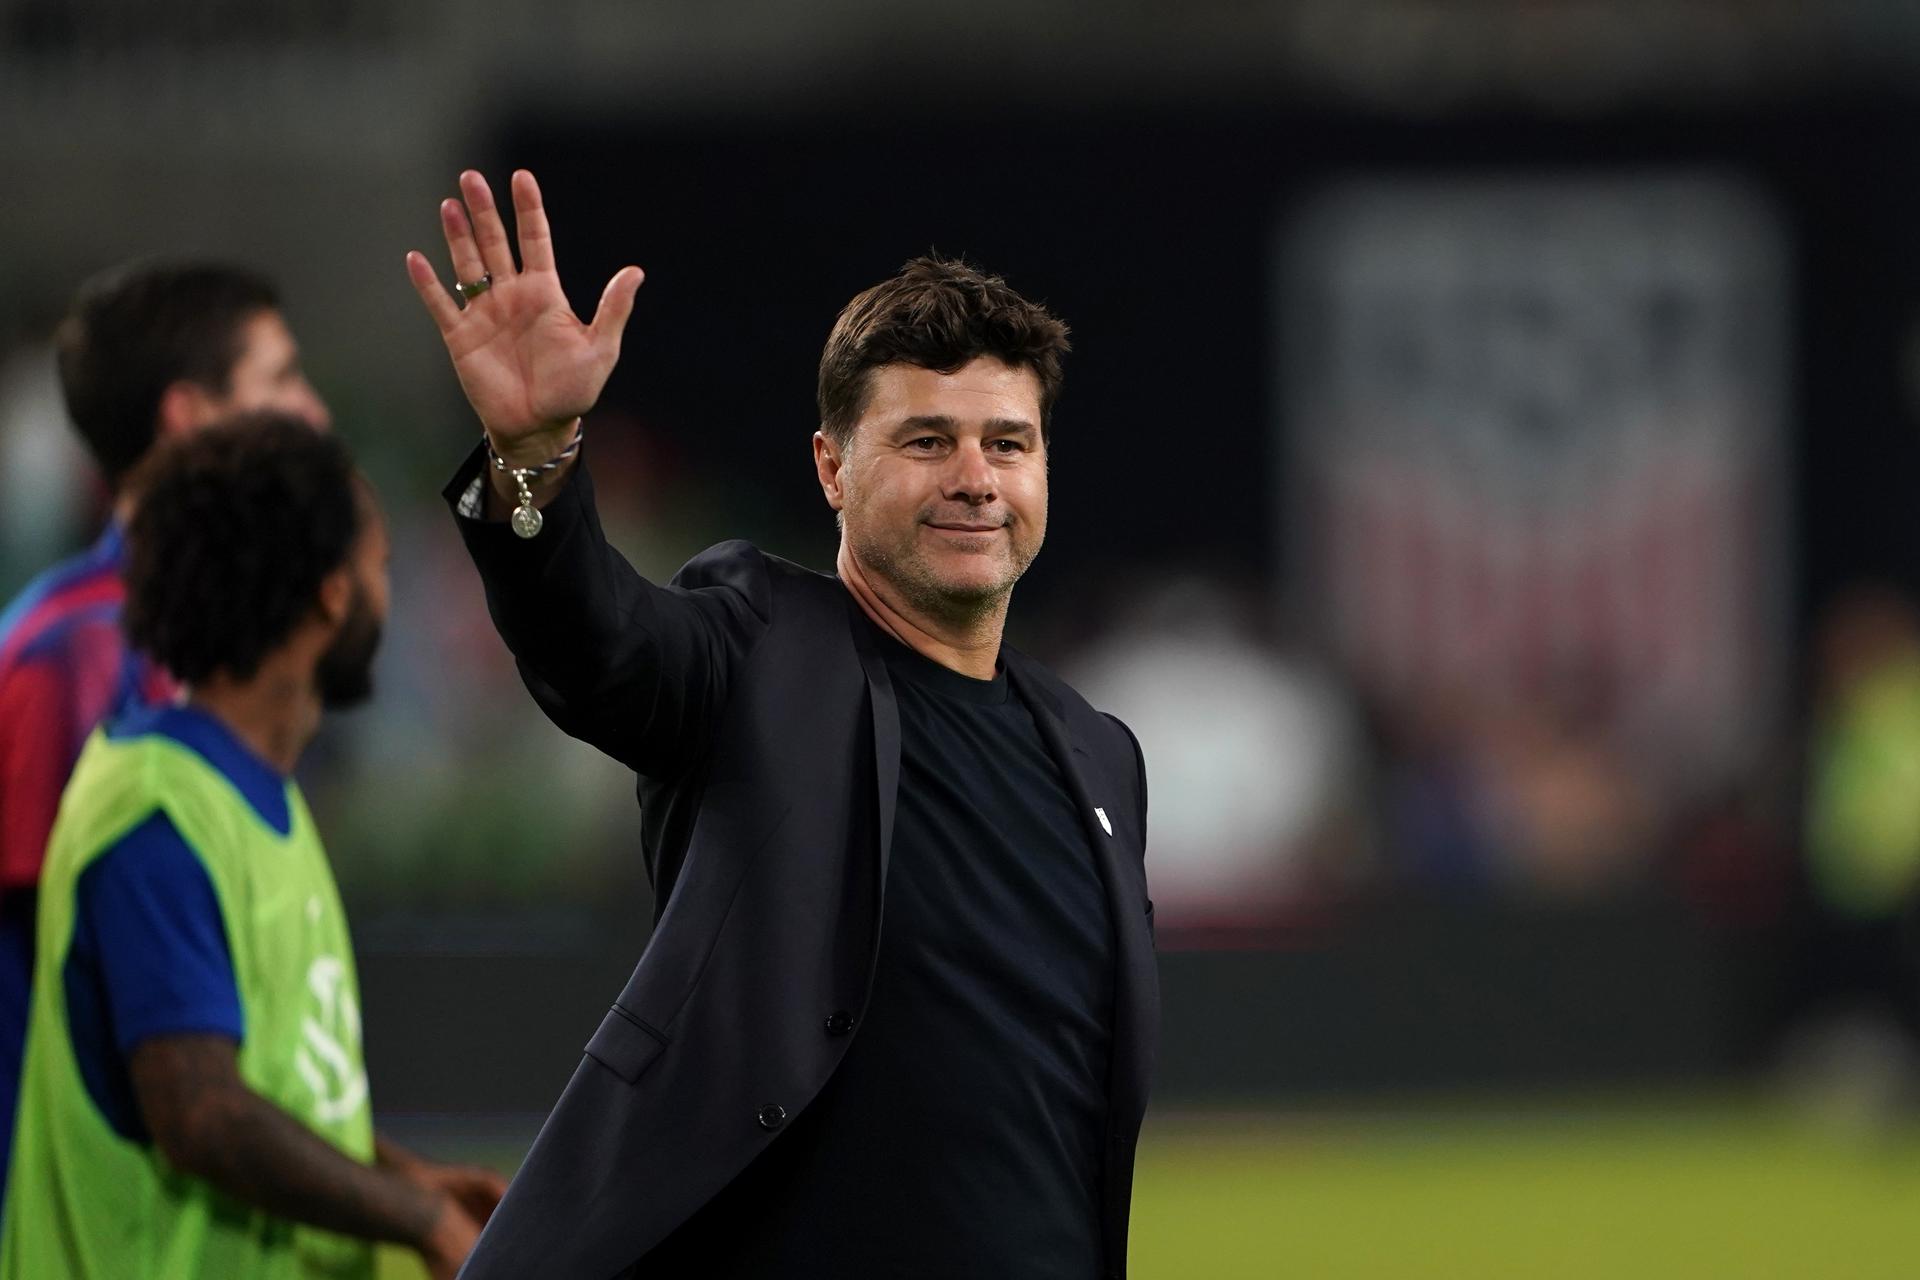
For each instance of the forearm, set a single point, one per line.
(210, 1125)
(258, 1154)
(388, 1154)
(613, 659)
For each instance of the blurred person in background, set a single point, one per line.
(1526, 795)
(146, 353)
(1857, 976)
(194, 1097)
(1256, 752)
(784, 1088)
(49, 498)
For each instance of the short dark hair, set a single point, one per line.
(236, 527)
(937, 313)
(134, 331)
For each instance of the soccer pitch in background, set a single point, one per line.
(1614, 1190)
(1598, 1191)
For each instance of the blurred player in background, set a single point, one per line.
(146, 353)
(194, 1099)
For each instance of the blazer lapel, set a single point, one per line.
(886, 733)
(1122, 869)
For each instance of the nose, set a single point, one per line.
(312, 407)
(969, 476)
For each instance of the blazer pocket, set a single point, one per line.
(624, 1044)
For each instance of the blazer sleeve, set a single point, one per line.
(635, 669)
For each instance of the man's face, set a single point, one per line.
(267, 376)
(344, 674)
(942, 486)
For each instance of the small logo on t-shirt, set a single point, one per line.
(1104, 824)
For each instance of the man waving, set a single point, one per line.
(785, 1087)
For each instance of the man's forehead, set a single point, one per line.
(983, 390)
(266, 330)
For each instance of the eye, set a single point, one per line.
(1008, 446)
(924, 443)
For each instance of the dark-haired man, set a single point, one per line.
(785, 1088)
(145, 354)
(194, 1098)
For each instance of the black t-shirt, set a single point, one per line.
(962, 1135)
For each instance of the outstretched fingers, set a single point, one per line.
(488, 230)
(438, 301)
(530, 221)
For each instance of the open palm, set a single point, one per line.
(529, 367)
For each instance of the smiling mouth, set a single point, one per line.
(966, 528)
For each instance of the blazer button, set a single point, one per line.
(772, 1116)
(839, 1022)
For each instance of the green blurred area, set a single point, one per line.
(1645, 1189)
(1613, 1190)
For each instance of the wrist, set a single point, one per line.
(536, 447)
(526, 519)
(423, 1211)
(443, 1229)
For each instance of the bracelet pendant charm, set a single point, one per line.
(526, 517)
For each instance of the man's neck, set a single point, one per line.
(275, 713)
(972, 648)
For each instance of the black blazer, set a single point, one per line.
(766, 738)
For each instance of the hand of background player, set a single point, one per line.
(529, 367)
(451, 1239)
(476, 1190)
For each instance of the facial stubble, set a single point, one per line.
(903, 564)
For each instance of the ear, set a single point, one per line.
(184, 406)
(828, 465)
(335, 601)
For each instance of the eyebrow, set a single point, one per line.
(941, 422)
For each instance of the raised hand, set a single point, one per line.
(529, 367)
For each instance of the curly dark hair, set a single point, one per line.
(135, 331)
(937, 313)
(237, 525)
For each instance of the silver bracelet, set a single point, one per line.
(527, 519)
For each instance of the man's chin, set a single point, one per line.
(953, 582)
(973, 585)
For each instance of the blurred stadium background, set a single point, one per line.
(1485, 481)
